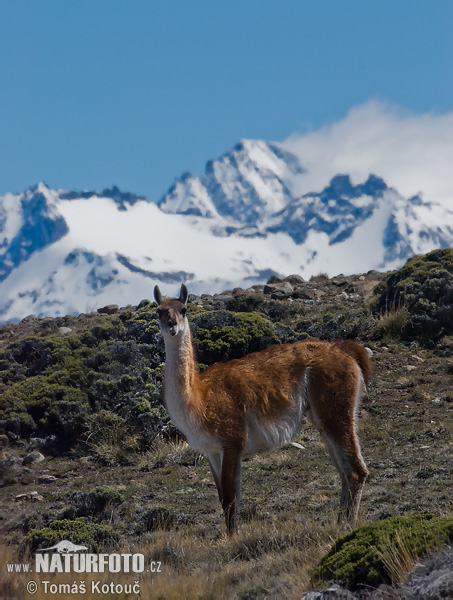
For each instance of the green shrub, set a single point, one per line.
(222, 335)
(359, 557)
(78, 531)
(51, 385)
(141, 406)
(156, 518)
(423, 289)
(93, 503)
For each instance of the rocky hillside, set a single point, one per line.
(88, 446)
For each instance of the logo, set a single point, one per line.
(67, 557)
(64, 546)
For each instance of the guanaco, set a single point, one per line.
(260, 402)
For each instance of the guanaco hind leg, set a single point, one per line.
(346, 456)
(230, 484)
(332, 411)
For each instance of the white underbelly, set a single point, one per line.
(271, 435)
(196, 437)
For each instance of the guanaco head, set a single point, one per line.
(172, 311)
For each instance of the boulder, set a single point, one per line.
(33, 457)
(64, 330)
(284, 286)
(47, 479)
(294, 279)
(110, 309)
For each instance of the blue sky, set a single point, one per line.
(102, 92)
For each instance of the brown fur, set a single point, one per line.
(223, 408)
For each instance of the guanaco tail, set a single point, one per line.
(260, 402)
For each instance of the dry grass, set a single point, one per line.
(266, 559)
(392, 322)
(399, 556)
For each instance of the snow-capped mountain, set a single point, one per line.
(244, 187)
(28, 223)
(249, 216)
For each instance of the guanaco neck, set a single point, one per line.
(181, 374)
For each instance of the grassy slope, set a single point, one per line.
(290, 496)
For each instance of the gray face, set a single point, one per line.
(172, 316)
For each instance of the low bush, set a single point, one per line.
(78, 531)
(223, 335)
(422, 292)
(93, 503)
(365, 556)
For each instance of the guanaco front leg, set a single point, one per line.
(215, 462)
(230, 484)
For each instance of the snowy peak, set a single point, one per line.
(336, 210)
(244, 186)
(188, 196)
(341, 188)
(28, 222)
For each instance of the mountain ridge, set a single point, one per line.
(242, 221)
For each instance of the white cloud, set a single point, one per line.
(411, 152)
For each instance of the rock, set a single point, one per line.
(304, 294)
(333, 592)
(21, 497)
(238, 291)
(339, 282)
(418, 358)
(274, 279)
(342, 296)
(30, 319)
(33, 457)
(64, 330)
(39, 443)
(279, 295)
(34, 496)
(47, 479)
(48, 324)
(294, 279)
(222, 297)
(283, 286)
(431, 578)
(110, 309)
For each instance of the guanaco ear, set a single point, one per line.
(157, 295)
(183, 294)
